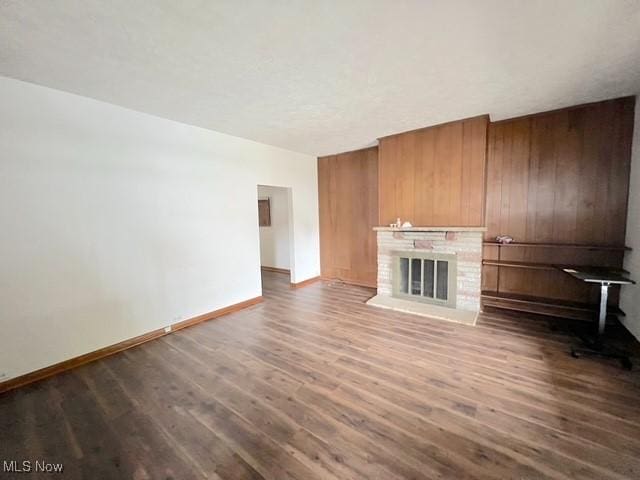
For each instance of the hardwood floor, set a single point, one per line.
(312, 383)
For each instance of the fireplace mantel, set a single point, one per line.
(430, 229)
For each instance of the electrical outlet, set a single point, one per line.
(167, 329)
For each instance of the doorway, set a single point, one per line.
(274, 220)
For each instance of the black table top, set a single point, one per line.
(598, 275)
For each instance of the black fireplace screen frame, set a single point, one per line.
(425, 277)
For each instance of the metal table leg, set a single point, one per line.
(602, 319)
(596, 346)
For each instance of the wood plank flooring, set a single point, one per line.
(313, 384)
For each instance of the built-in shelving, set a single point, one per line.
(534, 265)
(558, 245)
(544, 306)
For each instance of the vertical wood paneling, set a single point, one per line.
(494, 178)
(325, 196)
(348, 202)
(475, 141)
(434, 176)
(467, 173)
(588, 175)
(519, 179)
(407, 186)
(425, 178)
(545, 183)
(343, 204)
(558, 177)
(561, 177)
(623, 134)
(387, 176)
(567, 153)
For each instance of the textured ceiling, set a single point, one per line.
(325, 76)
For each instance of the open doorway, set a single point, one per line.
(274, 216)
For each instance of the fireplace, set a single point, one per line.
(425, 277)
(430, 271)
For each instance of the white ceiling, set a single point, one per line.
(326, 76)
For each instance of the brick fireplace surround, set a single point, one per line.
(464, 242)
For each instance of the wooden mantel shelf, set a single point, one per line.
(431, 229)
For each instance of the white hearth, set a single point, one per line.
(437, 271)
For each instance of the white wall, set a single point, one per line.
(630, 295)
(115, 223)
(274, 239)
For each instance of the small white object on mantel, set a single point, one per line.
(407, 225)
(430, 229)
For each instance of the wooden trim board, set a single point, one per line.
(65, 365)
(349, 282)
(306, 282)
(276, 269)
(216, 313)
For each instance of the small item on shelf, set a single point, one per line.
(407, 225)
(504, 239)
(398, 223)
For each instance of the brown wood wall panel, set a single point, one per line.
(348, 201)
(434, 176)
(558, 177)
(561, 177)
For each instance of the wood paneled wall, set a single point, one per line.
(559, 177)
(348, 200)
(434, 176)
(562, 178)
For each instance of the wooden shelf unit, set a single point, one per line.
(558, 183)
(534, 265)
(545, 306)
(558, 245)
(537, 304)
